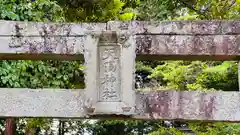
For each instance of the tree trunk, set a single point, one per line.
(10, 126)
(61, 127)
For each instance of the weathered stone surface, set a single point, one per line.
(18, 28)
(109, 73)
(216, 27)
(37, 47)
(217, 47)
(41, 103)
(178, 27)
(109, 70)
(215, 40)
(212, 106)
(37, 40)
(232, 27)
(214, 47)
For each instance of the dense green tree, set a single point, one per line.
(38, 10)
(157, 10)
(97, 10)
(120, 127)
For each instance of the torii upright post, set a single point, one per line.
(110, 67)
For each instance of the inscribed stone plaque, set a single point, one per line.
(109, 73)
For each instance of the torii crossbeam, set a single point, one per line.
(109, 51)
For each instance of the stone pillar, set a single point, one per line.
(109, 77)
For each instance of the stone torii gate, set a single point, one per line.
(109, 51)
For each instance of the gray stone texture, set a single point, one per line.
(168, 105)
(109, 73)
(215, 40)
(186, 105)
(41, 103)
(196, 40)
(178, 27)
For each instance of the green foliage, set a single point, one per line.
(221, 77)
(180, 75)
(167, 131)
(157, 10)
(197, 75)
(39, 74)
(97, 11)
(145, 68)
(34, 125)
(119, 127)
(21, 10)
(210, 9)
(217, 128)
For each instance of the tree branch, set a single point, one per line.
(192, 8)
(233, 2)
